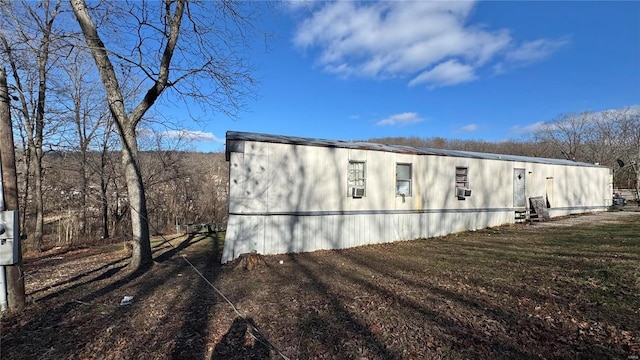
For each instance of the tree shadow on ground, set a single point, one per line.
(64, 322)
(110, 267)
(46, 335)
(242, 341)
(114, 267)
(175, 249)
(192, 337)
(347, 324)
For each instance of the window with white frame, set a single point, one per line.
(462, 183)
(462, 177)
(403, 179)
(356, 179)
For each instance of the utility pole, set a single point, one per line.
(14, 278)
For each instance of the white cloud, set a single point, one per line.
(469, 128)
(402, 119)
(298, 4)
(536, 50)
(518, 130)
(398, 39)
(447, 73)
(527, 53)
(196, 136)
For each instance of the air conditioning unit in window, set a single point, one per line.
(462, 193)
(357, 192)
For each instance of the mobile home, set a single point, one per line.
(291, 194)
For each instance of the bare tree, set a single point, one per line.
(629, 123)
(567, 134)
(84, 105)
(14, 277)
(106, 173)
(186, 44)
(31, 29)
(598, 137)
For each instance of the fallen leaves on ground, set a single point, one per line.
(521, 291)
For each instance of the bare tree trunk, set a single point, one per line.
(105, 206)
(15, 280)
(127, 123)
(84, 193)
(27, 184)
(141, 256)
(38, 232)
(104, 181)
(84, 144)
(43, 59)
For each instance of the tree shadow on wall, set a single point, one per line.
(242, 341)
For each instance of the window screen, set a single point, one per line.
(403, 179)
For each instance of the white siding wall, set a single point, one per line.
(287, 198)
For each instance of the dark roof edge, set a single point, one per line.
(360, 145)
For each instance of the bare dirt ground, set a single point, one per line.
(606, 217)
(565, 289)
(609, 217)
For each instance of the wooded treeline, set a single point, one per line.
(610, 138)
(85, 196)
(83, 80)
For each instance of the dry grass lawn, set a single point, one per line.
(513, 292)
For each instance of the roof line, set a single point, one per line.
(361, 145)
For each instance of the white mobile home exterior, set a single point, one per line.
(290, 194)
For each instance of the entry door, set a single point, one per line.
(519, 198)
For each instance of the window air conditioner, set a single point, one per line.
(460, 192)
(357, 192)
(467, 192)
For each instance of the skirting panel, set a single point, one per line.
(281, 233)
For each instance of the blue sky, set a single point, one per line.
(459, 70)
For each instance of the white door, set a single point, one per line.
(519, 197)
